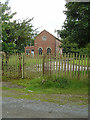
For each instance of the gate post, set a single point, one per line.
(22, 66)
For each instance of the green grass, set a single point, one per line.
(54, 98)
(32, 60)
(82, 62)
(49, 89)
(50, 85)
(14, 61)
(61, 90)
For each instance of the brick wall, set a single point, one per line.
(44, 44)
(44, 41)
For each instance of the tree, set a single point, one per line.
(75, 30)
(24, 34)
(6, 37)
(17, 34)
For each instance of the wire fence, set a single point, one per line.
(73, 66)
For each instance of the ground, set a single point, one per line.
(22, 108)
(16, 107)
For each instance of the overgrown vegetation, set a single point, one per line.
(61, 85)
(48, 89)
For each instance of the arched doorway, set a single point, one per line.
(48, 50)
(40, 51)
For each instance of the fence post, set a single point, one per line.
(73, 65)
(56, 65)
(22, 66)
(84, 65)
(87, 66)
(79, 68)
(43, 63)
(68, 64)
(65, 63)
(76, 66)
(62, 66)
(2, 65)
(59, 65)
(50, 65)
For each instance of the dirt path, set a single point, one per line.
(23, 108)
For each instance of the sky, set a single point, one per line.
(48, 14)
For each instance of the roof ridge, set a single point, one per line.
(49, 33)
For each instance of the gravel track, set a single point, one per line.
(22, 108)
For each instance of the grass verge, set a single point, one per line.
(49, 89)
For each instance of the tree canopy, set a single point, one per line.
(75, 31)
(17, 34)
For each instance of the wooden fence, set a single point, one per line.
(74, 66)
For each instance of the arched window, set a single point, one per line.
(40, 51)
(48, 50)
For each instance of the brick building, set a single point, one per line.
(44, 43)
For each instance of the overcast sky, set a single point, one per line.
(48, 14)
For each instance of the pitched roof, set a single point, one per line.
(50, 34)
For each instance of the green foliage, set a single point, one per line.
(24, 34)
(7, 32)
(63, 82)
(75, 30)
(8, 47)
(52, 82)
(16, 34)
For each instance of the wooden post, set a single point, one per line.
(50, 65)
(84, 64)
(82, 67)
(88, 64)
(68, 64)
(73, 65)
(65, 64)
(59, 66)
(79, 68)
(76, 65)
(43, 64)
(56, 65)
(2, 65)
(38, 63)
(62, 65)
(53, 63)
(22, 66)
